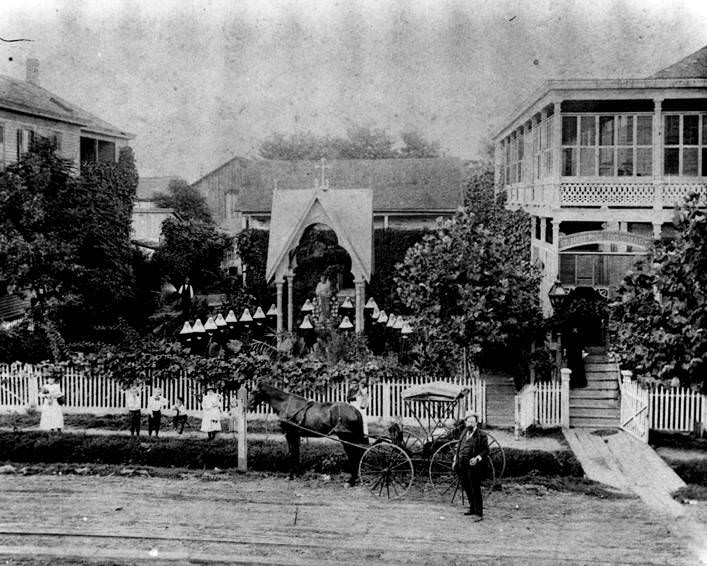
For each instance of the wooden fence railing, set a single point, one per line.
(20, 386)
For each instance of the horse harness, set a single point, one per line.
(299, 416)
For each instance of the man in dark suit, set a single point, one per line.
(472, 451)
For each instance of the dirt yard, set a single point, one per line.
(259, 519)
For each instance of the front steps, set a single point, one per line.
(597, 404)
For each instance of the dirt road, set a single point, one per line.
(267, 520)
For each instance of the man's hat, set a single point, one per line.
(471, 413)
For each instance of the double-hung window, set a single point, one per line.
(25, 139)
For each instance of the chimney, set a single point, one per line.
(33, 71)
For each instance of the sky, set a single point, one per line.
(199, 82)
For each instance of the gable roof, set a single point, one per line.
(348, 212)
(433, 184)
(148, 186)
(29, 98)
(694, 66)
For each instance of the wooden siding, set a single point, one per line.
(12, 122)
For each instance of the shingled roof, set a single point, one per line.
(694, 66)
(397, 184)
(32, 99)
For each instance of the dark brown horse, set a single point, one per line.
(300, 417)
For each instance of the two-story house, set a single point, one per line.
(28, 111)
(600, 165)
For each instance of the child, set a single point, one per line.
(211, 417)
(180, 418)
(155, 404)
(52, 417)
(133, 404)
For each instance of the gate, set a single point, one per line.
(634, 407)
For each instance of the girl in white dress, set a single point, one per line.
(211, 417)
(52, 417)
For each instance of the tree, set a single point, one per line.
(185, 200)
(191, 248)
(659, 323)
(414, 145)
(361, 142)
(467, 288)
(69, 235)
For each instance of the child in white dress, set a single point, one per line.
(211, 417)
(52, 417)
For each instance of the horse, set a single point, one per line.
(300, 417)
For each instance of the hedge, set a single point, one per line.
(270, 455)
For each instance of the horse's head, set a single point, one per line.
(257, 396)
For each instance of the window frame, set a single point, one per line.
(700, 147)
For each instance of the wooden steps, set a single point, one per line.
(597, 404)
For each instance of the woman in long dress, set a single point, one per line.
(52, 417)
(211, 416)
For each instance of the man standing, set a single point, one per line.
(186, 295)
(472, 451)
(132, 404)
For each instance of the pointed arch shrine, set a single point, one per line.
(348, 212)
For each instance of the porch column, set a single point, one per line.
(556, 232)
(279, 286)
(658, 153)
(657, 230)
(290, 300)
(543, 229)
(360, 289)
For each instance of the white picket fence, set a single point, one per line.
(543, 404)
(676, 409)
(670, 409)
(20, 386)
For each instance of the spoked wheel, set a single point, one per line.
(386, 470)
(496, 461)
(442, 477)
(412, 443)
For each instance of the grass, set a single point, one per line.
(197, 453)
(691, 493)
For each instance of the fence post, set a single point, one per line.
(516, 411)
(704, 415)
(386, 412)
(242, 423)
(626, 376)
(565, 396)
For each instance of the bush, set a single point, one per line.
(691, 471)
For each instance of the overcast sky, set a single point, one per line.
(198, 82)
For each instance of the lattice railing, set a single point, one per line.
(608, 194)
(676, 193)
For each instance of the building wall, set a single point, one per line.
(221, 189)
(11, 122)
(147, 223)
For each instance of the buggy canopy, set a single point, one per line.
(435, 391)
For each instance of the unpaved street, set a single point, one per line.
(268, 520)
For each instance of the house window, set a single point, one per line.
(56, 140)
(25, 140)
(685, 150)
(537, 148)
(607, 146)
(547, 145)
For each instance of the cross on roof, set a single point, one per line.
(323, 166)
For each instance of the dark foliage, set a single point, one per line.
(186, 201)
(360, 143)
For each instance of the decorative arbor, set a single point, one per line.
(348, 212)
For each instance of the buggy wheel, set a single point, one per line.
(386, 470)
(496, 461)
(412, 443)
(443, 478)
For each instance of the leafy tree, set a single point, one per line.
(468, 288)
(186, 201)
(191, 248)
(659, 325)
(414, 145)
(360, 143)
(69, 235)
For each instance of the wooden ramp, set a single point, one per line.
(619, 460)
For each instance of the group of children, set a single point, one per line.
(210, 420)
